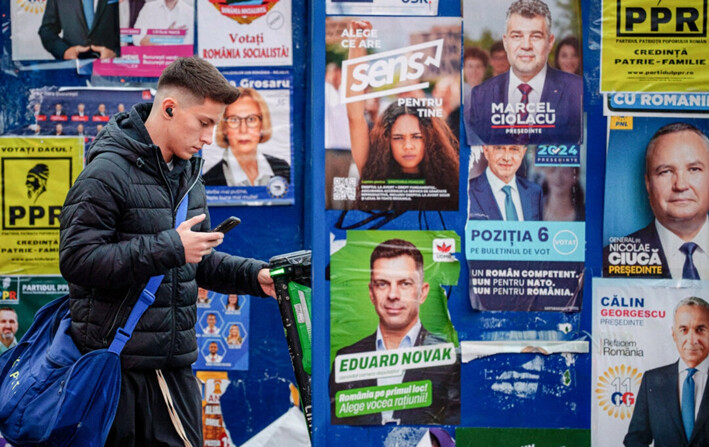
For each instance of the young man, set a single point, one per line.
(117, 231)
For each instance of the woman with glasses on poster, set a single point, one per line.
(246, 123)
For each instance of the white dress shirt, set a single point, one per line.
(407, 342)
(496, 184)
(675, 258)
(514, 95)
(700, 382)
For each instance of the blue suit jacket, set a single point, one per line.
(68, 16)
(657, 416)
(482, 204)
(564, 93)
(647, 235)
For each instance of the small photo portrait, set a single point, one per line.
(235, 336)
(233, 303)
(203, 297)
(211, 323)
(213, 351)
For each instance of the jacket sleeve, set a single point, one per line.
(225, 273)
(94, 250)
(50, 29)
(639, 433)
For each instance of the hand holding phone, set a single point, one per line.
(228, 224)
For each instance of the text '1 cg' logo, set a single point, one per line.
(614, 390)
(669, 18)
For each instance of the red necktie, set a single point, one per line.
(525, 89)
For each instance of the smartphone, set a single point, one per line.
(228, 224)
(90, 54)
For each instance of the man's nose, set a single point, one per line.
(680, 181)
(207, 135)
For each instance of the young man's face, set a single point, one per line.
(528, 43)
(677, 179)
(192, 126)
(397, 291)
(213, 348)
(211, 320)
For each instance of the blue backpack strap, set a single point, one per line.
(147, 296)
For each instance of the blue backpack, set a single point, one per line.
(50, 394)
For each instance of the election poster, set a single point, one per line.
(61, 30)
(656, 173)
(655, 46)
(76, 111)
(26, 45)
(153, 34)
(250, 160)
(25, 294)
(392, 108)
(222, 331)
(36, 175)
(521, 437)
(517, 92)
(645, 335)
(525, 234)
(213, 385)
(393, 346)
(654, 104)
(382, 7)
(251, 33)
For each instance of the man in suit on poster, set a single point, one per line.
(83, 28)
(531, 103)
(677, 183)
(498, 193)
(397, 290)
(672, 407)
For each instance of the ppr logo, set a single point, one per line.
(666, 18)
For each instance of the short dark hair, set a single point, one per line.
(200, 78)
(669, 129)
(393, 248)
(497, 46)
(477, 53)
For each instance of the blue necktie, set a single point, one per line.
(688, 402)
(689, 271)
(510, 210)
(88, 12)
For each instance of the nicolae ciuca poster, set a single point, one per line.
(36, 176)
(392, 113)
(251, 33)
(393, 345)
(654, 46)
(646, 333)
(657, 222)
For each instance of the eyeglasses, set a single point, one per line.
(234, 122)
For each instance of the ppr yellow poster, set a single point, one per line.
(36, 174)
(654, 46)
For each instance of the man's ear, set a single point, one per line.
(425, 287)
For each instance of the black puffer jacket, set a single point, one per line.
(117, 230)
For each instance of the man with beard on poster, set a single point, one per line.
(531, 103)
(677, 184)
(397, 290)
(672, 407)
